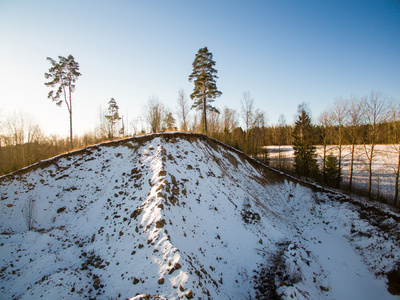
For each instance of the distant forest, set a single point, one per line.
(346, 122)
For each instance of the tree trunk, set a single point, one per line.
(70, 129)
(324, 160)
(70, 119)
(396, 194)
(204, 110)
(351, 166)
(279, 157)
(340, 165)
(340, 156)
(370, 158)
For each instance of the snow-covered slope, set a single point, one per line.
(182, 216)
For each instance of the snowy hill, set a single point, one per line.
(181, 216)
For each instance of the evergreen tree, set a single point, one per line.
(331, 173)
(112, 117)
(169, 121)
(205, 89)
(303, 144)
(63, 75)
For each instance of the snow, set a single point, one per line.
(178, 215)
(384, 165)
(348, 275)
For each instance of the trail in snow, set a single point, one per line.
(322, 228)
(348, 276)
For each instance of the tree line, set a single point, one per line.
(368, 120)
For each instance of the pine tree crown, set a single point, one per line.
(204, 78)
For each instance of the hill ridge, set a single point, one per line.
(129, 141)
(177, 216)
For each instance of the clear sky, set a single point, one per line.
(282, 52)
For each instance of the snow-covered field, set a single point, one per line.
(384, 165)
(181, 217)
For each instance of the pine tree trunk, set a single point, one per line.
(204, 110)
(70, 124)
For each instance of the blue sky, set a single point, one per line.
(283, 52)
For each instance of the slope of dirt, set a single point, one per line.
(178, 216)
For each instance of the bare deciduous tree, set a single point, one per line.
(137, 125)
(183, 110)
(247, 110)
(375, 112)
(21, 128)
(154, 114)
(248, 119)
(258, 129)
(213, 123)
(325, 123)
(21, 137)
(394, 117)
(355, 120)
(230, 122)
(103, 127)
(281, 138)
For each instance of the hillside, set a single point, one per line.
(182, 216)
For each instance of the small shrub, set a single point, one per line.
(250, 217)
(29, 212)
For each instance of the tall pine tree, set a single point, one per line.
(112, 117)
(62, 76)
(205, 89)
(303, 144)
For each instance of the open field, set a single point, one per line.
(384, 165)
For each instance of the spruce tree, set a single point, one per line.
(205, 89)
(331, 173)
(303, 144)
